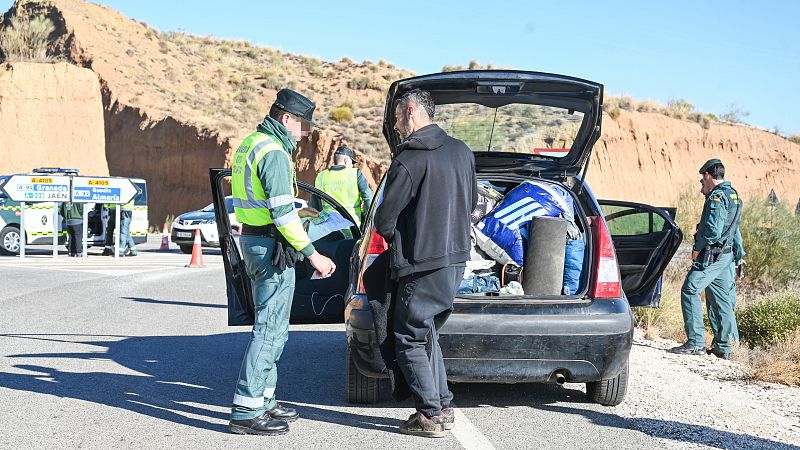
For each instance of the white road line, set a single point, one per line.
(467, 434)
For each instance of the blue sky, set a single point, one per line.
(710, 53)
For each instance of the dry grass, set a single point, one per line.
(779, 363)
(25, 39)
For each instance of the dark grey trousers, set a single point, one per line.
(424, 302)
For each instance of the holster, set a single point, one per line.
(710, 255)
(284, 255)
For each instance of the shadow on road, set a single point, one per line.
(190, 380)
(174, 302)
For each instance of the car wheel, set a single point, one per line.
(9, 241)
(609, 392)
(186, 249)
(358, 387)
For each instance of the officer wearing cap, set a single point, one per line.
(345, 183)
(264, 188)
(716, 254)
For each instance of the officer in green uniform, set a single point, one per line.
(345, 183)
(126, 244)
(73, 216)
(716, 254)
(264, 188)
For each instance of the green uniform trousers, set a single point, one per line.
(719, 281)
(272, 294)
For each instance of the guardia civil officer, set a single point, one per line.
(264, 188)
(345, 183)
(716, 254)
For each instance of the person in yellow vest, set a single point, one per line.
(346, 184)
(272, 238)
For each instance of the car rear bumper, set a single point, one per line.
(189, 240)
(515, 348)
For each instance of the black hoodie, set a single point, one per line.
(429, 196)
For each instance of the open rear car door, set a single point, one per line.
(315, 301)
(645, 239)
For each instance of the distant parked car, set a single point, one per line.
(184, 226)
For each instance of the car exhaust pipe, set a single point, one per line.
(560, 378)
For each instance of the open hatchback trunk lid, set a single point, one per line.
(511, 119)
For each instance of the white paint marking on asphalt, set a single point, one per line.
(467, 434)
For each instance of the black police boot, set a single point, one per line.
(259, 425)
(108, 252)
(688, 349)
(727, 356)
(280, 412)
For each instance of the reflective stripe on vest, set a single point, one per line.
(342, 185)
(249, 200)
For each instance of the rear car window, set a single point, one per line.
(516, 128)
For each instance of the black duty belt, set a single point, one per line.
(262, 230)
(722, 250)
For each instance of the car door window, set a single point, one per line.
(631, 221)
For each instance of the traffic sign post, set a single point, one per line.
(37, 189)
(104, 190)
(84, 242)
(22, 238)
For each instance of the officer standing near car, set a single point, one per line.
(126, 245)
(272, 238)
(345, 183)
(73, 217)
(716, 255)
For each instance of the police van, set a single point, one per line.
(39, 216)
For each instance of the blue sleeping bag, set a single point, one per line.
(503, 233)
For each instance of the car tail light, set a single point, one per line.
(375, 247)
(607, 283)
(377, 244)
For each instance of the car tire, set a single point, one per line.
(359, 388)
(9, 245)
(609, 392)
(186, 249)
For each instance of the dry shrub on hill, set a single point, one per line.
(25, 39)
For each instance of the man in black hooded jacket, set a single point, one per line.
(429, 196)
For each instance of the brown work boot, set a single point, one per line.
(419, 425)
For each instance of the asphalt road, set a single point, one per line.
(137, 354)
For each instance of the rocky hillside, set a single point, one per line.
(51, 115)
(652, 158)
(175, 105)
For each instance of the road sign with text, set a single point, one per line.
(102, 190)
(37, 188)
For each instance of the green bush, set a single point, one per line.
(771, 320)
(342, 114)
(365, 82)
(770, 236)
(26, 39)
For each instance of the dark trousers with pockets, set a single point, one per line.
(424, 302)
(75, 232)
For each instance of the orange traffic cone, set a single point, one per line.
(197, 251)
(164, 239)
